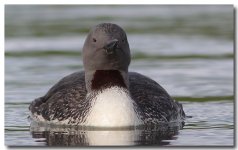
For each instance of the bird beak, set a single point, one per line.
(111, 46)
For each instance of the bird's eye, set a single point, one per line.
(94, 40)
(123, 40)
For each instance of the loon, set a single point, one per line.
(106, 94)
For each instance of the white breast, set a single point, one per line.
(112, 107)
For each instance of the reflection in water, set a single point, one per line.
(81, 136)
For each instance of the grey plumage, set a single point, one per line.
(106, 58)
(67, 98)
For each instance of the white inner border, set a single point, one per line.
(4, 2)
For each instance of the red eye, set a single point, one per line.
(94, 40)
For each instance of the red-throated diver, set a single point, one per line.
(106, 94)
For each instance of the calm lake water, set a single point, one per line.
(187, 49)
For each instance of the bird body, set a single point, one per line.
(105, 94)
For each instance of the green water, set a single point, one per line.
(187, 49)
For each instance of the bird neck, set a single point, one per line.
(102, 79)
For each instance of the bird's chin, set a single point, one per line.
(109, 52)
